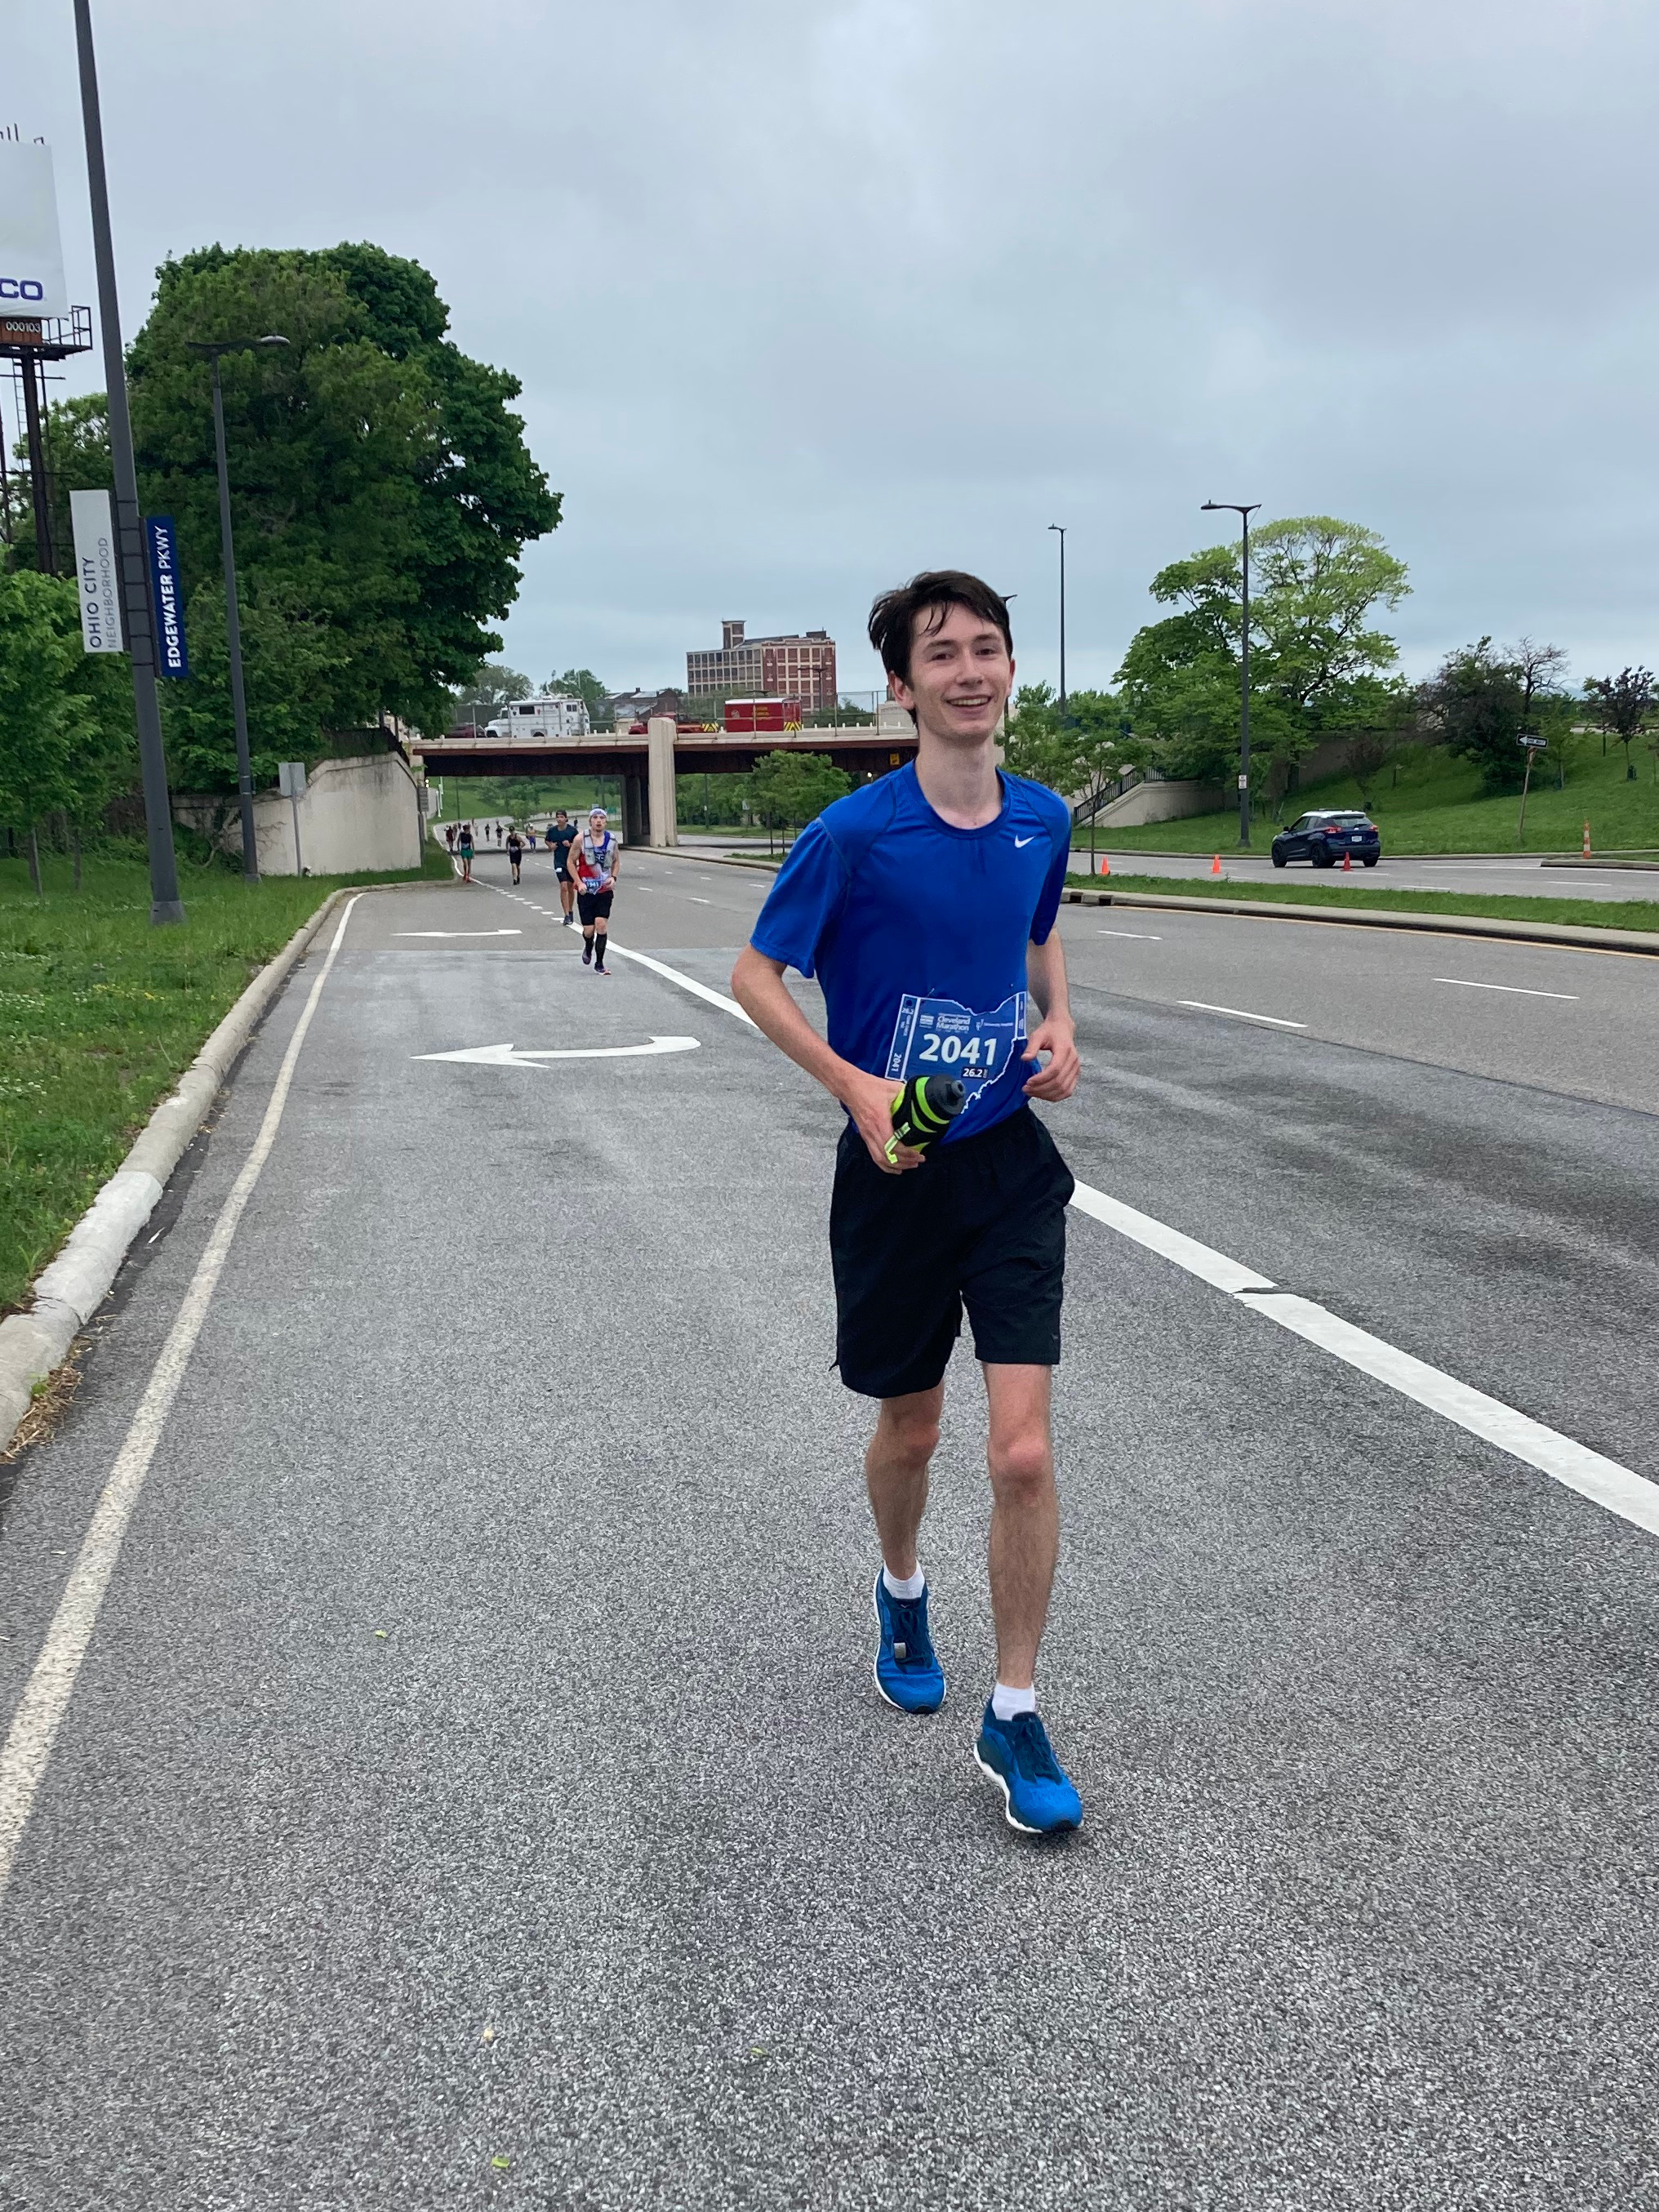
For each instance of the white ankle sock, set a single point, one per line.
(911, 1588)
(1006, 1702)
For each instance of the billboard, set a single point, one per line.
(31, 251)
(97, 572)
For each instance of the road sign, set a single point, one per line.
(96, 571)
(1534, 744)
(506, 1055)
(291, 779)
(171, 657)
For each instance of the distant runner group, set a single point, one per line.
(586, 863)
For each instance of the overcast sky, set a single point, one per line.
(806, 297)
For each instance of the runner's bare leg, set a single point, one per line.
(1025, 1515)
(895, 1473)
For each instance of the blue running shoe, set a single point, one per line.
(1036, 1795)
(907, 1674)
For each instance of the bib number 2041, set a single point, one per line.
(941, 1036)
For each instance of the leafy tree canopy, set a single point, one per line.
(66, 732)
(1623, 706)
(381, 489)
(583, 683)
(1482, 700)
(1317, 659)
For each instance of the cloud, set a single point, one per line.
(805, 297)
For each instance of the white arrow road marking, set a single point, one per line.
(507, 1056)
(460, 932)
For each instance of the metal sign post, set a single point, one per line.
(291, 782)
(1534, 746)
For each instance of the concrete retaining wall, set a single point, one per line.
(357, 815)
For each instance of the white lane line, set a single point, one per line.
(1603, 1480)
(1272, 1021)
(508, 1055)
(1516, 990)
(1214, 1268)
(704, 991)
(1151, 935)
(50, 1686)
(459, 933)
(695, 900)
(686, 983)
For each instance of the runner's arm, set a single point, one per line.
(758, 986)
(1045, 974)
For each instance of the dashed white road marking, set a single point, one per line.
(1150, 935)
(1272, 1021)
(1516, 990)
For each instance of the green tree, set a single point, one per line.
(78, 455)
(290, 658)
(1317, 659)
(1622, 707)
(1481, 700)
(66, 740)
(582, 684)
(380, 483)
(787, 790)
(494, 686)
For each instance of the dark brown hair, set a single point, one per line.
(893, 618)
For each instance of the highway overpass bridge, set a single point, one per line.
(648, 763)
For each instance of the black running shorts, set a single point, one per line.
(980, 1224)
(595, 906)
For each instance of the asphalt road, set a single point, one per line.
(477, 1758)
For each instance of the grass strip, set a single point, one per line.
(100, 1015)
(1597, 913)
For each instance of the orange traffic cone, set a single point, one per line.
(1215, 865)
(1587, 849)
(1347, 864)
(1105, 864)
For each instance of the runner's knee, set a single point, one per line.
(1022, 1466)
(910, 1433)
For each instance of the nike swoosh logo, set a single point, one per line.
(1020, 843)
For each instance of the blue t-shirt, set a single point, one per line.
(917, 932)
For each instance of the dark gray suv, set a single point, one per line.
(1324, 838)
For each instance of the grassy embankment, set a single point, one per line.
(1434, 805)
(1355, 891)
(100, 1013)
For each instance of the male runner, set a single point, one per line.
(514, 850)
(593, 861)
(560, 838)
(925, 903)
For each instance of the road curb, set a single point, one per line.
(708, 859)
(1586, 937)
(67, 1293)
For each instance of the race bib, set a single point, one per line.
(940, 1036)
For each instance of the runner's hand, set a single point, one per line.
(869, 1100)
(1059, 1078)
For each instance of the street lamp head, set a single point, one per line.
(1060, 526)
(212, 346)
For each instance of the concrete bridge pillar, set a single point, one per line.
(660, 733)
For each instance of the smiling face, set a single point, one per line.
(961, 673)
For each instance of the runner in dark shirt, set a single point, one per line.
(561, 836)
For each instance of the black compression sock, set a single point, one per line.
(599, 949)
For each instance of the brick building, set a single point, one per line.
(801, 667)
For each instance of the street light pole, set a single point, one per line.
(1243, 512)
(165, 904)
(1059, 528)
(233, 611)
